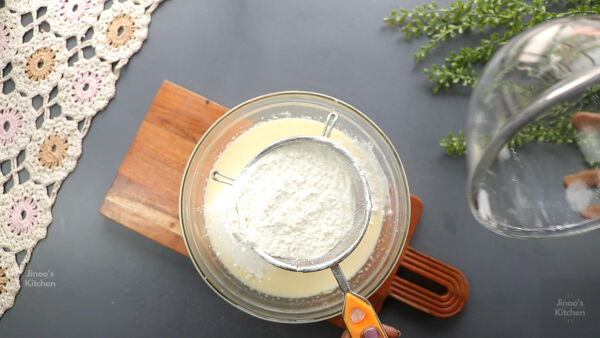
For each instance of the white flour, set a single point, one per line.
(295, 202)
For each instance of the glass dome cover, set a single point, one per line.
(534, 134)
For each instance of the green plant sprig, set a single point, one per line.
(455, 144)
(496, 20)
(554, 127)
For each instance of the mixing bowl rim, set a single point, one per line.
(401, 174)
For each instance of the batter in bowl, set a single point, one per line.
(241, 260)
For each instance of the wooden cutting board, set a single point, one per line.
(145, 198)
(145, 193)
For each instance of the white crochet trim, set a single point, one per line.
(80, 74)
(73, 17)
(10, 27)
(64, 129)
(39, 197)
(24, 6)
(101, 39)
(26, 84)
(57, 70)
(9, 273)
(20, 108)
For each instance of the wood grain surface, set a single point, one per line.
(145, 196)
(145, 193)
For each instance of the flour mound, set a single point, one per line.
(296, 202)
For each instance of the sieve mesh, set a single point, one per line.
(362, 207)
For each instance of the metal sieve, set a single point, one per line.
(358, 312)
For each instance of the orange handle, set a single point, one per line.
(444, 305)
(359, 314)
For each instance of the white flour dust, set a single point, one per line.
(295, 202)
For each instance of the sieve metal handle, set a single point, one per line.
(340, 278)
(220, 177)
(329, 124)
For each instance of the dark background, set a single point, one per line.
(111, 281)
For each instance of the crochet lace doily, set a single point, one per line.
(59, 61)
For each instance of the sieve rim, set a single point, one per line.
(364, 198)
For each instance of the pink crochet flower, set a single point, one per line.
(85, 87)
(74, 10)
(22, 216)
(4, 37)
(11, 122)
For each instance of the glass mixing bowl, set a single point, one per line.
(534, 134)
(285, 105)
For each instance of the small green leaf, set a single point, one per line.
(455, 144)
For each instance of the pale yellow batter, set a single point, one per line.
(240, 260)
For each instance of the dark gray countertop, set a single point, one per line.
(110, 281)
